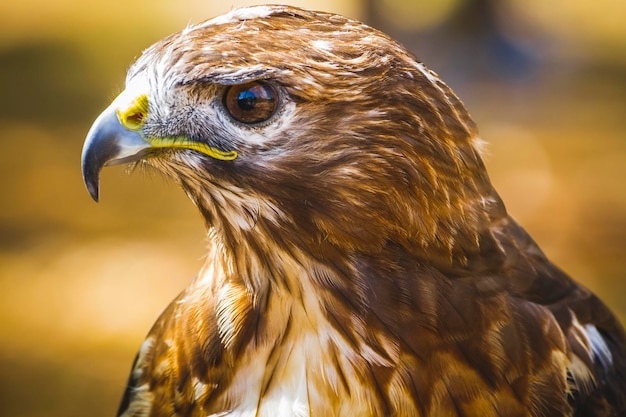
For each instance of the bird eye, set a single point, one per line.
(252, 102)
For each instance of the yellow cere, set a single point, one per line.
(134, 116)
(184, 143)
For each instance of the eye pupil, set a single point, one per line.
(252, 102)
(246, 100)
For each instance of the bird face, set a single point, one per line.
(274, 117)
(186, 124)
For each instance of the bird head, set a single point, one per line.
(275, 119)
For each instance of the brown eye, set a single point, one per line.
(252, 102)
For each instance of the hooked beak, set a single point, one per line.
(109, 143)
(116, 137)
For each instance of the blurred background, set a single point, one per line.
(81, 284)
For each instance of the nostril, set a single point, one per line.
(134, 116)
(134, 120)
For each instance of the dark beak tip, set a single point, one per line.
(93, 192)
(91, 178)
(93, 189)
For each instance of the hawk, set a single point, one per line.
(360, 262)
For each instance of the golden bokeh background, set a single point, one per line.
(81, 283)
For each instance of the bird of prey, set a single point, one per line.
(360, 262)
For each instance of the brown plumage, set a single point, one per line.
(361, 263)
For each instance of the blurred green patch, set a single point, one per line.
(49, 83)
